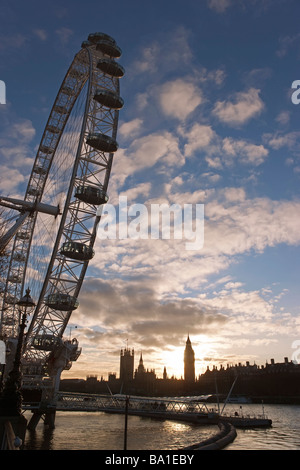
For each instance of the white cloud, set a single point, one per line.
(16, 153)
(10, 179)
(147, 63)
(279, 140)
(283, 117)
(198, 137)
(179, 98)
(142, 189)
(235, 194)
(245, 152)
(245, 225)
(243, 107)
(145, 152)
(131, 128)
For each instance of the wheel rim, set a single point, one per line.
(71, 173)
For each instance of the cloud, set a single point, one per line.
(283, 117)
(165, 54)
(10, 179)
(245, 106)
(217, 151)
(41, 34)
(145, 152)
(286, 43)
(199, 137)
(279, 140)
(64, 34)
(131, 128)
(179, 98)
(245, 152)
(147, 63)
(15, 41)
(246, 305)
(235, 194)
(220, 6)
(248, 225)
(152, 291)
(134, 309)
(234, 225)
(142, 189)
(16, 152)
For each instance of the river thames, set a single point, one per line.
(103, 431)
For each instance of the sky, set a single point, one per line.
(208, 119)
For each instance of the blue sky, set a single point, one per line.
(208, 119)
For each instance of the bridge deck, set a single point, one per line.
(135, 405)
(185, 409)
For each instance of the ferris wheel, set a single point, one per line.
(52, 241)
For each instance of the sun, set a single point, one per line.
(173, 361)
(173, 357)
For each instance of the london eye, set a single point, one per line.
(51, 242)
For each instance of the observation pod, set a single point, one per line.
(46, 149)
(46, 342)
(60, 109)
(109, 48)
(85, 44)
(39, 170)
(102, 142)
(95, 37)
(15, 279)
(53, 129)
(109, 99)
(91, 195)
(111, 67)
(77, 251)
(62, 302)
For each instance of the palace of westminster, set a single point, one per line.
(273, 383)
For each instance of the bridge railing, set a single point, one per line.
(79, 401)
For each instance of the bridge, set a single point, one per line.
(167, 408)
(184, 409)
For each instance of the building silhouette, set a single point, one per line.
(189, 362)
(144, 380)
(126, 366)
(272, 382)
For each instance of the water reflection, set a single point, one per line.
(41, 439)
(103, 431)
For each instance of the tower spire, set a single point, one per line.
(189, 362)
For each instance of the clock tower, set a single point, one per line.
(189, 362)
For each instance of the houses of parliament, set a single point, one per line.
(272, 382)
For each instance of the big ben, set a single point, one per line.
(189, 362)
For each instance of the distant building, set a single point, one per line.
(144, 380)
(270, 383)
(126, 366)
(189, 362)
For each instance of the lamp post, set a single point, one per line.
(11, 398)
